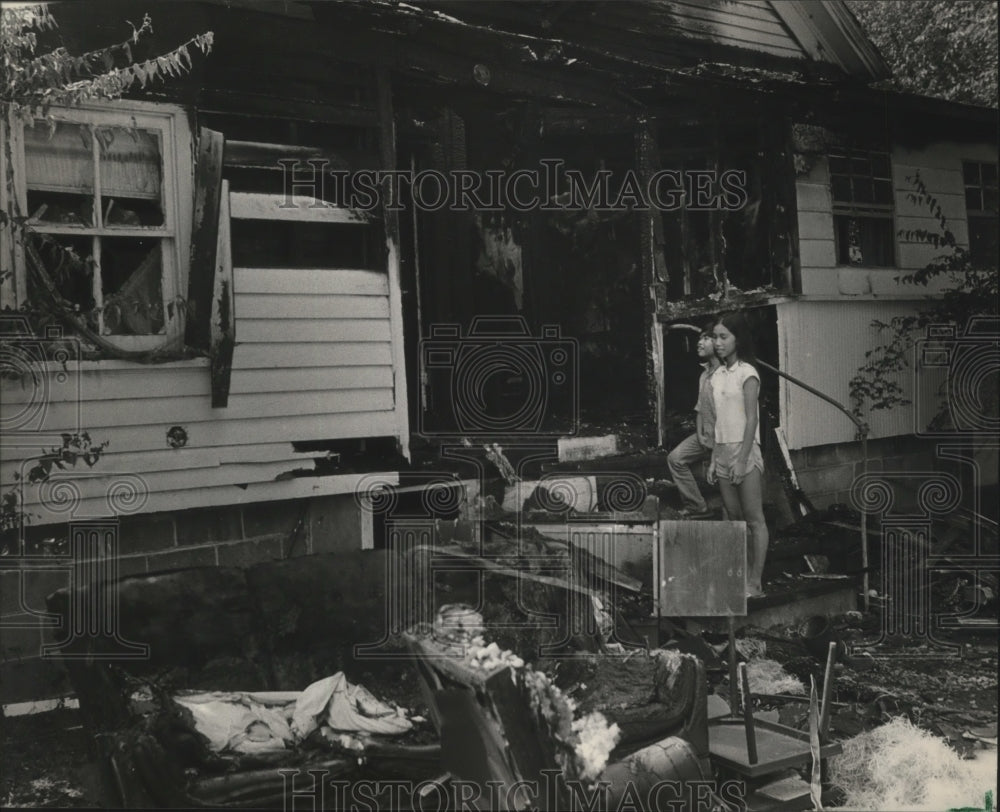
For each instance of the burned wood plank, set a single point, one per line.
(223, 321)
(259, 155)
(230, 101)
(646, 159)
(734, 299)
(297, 208)
(390, 213)
(205, 237)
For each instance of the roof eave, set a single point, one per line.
(828, 32)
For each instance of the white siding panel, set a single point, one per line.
(301, 380)
(264, 331)
(121, 385)
(823, 344)
(253, 206)
(226, 437)
(309, 306)
(165, 500)
(315, 359)
(160, 409)
(177, 459)
(815, 225)
(295, 354)
(817, 254)
(92, 485)
(310, 281)
(959, 227)
(952, 205)
(813, 197)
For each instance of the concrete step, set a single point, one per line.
(788, 605)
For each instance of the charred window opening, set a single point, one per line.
(281, 156)
(587, 278)
(732, 224)
(97, 199)
(270, 244)
(574, 268)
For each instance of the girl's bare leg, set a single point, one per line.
(730, 500)
(751, 502)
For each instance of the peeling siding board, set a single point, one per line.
(290, 319)
(165, 500)
(387, 148)
(219, 433)
(252, 206)
(314, 360)
(204, 242)
(223, 323)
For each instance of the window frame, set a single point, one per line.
(863, 210)
(171, 123)
(989, 215)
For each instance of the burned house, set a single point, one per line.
(291, 252)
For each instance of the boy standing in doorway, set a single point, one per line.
(699, 445)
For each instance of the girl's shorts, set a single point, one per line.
(726, 454)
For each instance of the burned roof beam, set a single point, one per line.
(259, 155)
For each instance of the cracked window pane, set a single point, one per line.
(60, 169)
(130, 175)
(69, 263)
(132, 286)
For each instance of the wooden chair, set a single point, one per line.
(761, 751)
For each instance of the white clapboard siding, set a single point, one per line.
(141, 410)
(823, 337)
(279, 356)
(173, 459)
(310, 306)
(163, 500)
(273, 331)
(91, 484)
(323, 378)
(314, 359)
(95, 384)
(310, 281)
(823, 343)
(218, 433)
(252, 206)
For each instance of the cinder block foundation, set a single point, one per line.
(238, 536)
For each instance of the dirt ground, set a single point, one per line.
(45, 762)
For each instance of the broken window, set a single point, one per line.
(981, 209)
(861, 186)
(99, 192)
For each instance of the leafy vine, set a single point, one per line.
(972, 292)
